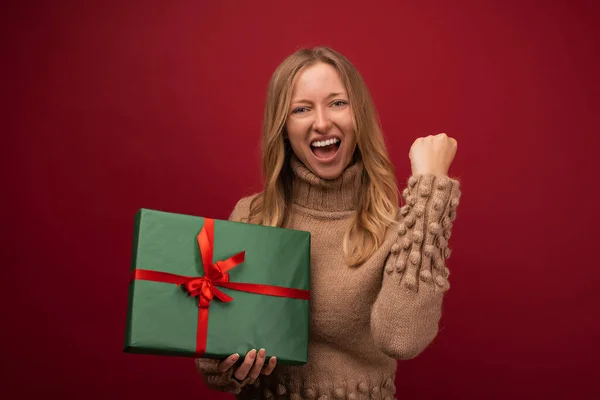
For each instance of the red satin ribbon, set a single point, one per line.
(205, 287)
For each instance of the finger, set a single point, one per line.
(270, 366)
(258, 364)
(228, 362)
(242, 371)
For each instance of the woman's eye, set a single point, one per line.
(299, 110)
(339, 103)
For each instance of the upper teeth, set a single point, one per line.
(325, 142)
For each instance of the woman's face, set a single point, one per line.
(319, 126)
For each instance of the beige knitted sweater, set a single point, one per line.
(365, 318)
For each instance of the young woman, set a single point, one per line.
(378, 273)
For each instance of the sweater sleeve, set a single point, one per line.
(211, 375)
(407, 310)
(217, 380)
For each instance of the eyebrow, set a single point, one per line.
(329, 96)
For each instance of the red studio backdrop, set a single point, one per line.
(113, 106)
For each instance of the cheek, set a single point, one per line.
(351, 144)
(348, 128)
(294, 133)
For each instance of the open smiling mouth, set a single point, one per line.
(325, 149)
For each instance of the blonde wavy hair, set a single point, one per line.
(378, 200)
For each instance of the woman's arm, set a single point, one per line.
(406, 313)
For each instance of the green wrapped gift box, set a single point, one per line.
(250, 293)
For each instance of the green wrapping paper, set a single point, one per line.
(163, 319)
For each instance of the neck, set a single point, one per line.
(339, 194)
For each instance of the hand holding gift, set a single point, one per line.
(253, 365)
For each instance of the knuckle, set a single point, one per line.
(269, 367)
(222, 367)
(239, 374)
(254, 373)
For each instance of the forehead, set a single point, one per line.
(317, 80)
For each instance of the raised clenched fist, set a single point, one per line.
(432, 154)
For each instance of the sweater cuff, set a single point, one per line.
(424, 228)
(217, 380)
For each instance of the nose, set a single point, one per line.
(322, 121)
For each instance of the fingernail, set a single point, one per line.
(252, 353)
(236, 356)
(261, 352)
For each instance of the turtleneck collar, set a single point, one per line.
(312, 192)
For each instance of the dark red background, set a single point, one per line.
(113, 106)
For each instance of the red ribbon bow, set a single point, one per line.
(205, 287)
(214, 274)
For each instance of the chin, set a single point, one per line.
(324, 171)
(328, 173)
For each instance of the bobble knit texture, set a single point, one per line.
(364, 318)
